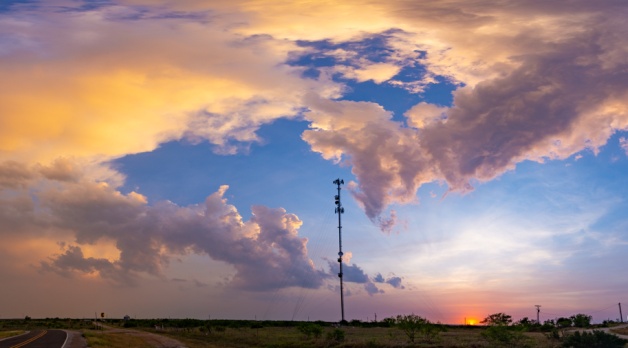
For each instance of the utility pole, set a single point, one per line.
(621, 316)
(538, 310)
(339, 211)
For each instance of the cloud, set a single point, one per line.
(199, 81)
(525, 95)
(355, 274)
(372, 289)
(536, 82)
(394, 281)
(384, 155)
(266, 251)
(623, 143)
(73, 260)
(14, 174)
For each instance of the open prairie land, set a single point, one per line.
(192, 333)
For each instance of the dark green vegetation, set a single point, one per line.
(594, 339)
(48, 323)
(400, 331)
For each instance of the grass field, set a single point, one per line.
(5, 334)
(288, 337)
(105, 339)
(244, 334)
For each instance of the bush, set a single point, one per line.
(336, 335)
(130, 323)
(595, 339)
(581, 320)
(497, 319)
(412, 325)
(504, 336)
(309, 330)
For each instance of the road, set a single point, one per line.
(607, 330)
(36, 339)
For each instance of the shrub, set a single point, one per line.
(595, 339)
(309, 330)
(497, 319)
(412, 325)
(130, 323)
(220, 329)
(504, 336)
(581, 320)
(336, 335)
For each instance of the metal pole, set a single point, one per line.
(621, 316)
(538, 310)
(339, 211)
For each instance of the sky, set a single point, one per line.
(163, 158)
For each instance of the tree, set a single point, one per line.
(410, 324)
(563, 322)
(413, 324)
(581, 320)
(497, 319)
(388, 322)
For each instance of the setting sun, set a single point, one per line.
(470, 321)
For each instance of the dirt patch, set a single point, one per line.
(620, 331)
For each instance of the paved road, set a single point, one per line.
(36, 339)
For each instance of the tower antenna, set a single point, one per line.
(538, 310)
(340, 210)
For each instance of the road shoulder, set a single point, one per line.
(75, 340)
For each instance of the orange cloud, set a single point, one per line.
(90, 85)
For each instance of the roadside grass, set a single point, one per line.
(98, 338)
(6, 334)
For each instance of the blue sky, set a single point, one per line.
(176, 159)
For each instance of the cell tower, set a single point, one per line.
(538, 311)
(340, 210)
